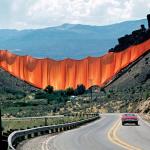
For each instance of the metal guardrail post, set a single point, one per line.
(0, 129)
(29, 136)
(47, 132)
(35, 134)
(52, 130)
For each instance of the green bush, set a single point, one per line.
(49, 89)
(57, 97)
(80, 89)
(146, 95)
(70, 91)
(40, 95)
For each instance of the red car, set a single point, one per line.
(129, 118)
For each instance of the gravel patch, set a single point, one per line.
(34, 144)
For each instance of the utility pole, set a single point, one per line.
(91, 94)
(1, 146)
(90, 83)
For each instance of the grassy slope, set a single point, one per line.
(8, 84)
(19, 99)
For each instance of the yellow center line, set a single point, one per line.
(113, 137)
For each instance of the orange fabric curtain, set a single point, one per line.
(69, 72)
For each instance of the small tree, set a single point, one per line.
(103, 90)
(80, 89)
(70, 91)
(146, 95)
(49, 89)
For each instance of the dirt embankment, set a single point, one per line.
(144, 109)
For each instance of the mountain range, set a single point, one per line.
(68, 40)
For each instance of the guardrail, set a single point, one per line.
(17, 136)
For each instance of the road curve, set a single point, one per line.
(95, 136)
(89, 137)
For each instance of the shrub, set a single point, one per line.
(49, 89)
(80, 89)
(70, 91)
(102, 90)
(40, 95)
(146, 95)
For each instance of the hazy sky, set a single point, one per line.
(22, 14)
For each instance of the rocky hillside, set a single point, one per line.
(130, 87)
(134, 82)
(134, 76)
(133, 87)
(10, 83)
(144, 107)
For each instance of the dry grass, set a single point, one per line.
(30, 123)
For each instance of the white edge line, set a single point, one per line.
(45, 144)
(145, 122)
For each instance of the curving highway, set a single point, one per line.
(104, 134)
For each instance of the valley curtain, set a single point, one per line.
(69, 72)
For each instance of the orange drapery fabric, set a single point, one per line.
(69, 72)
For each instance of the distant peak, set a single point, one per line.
(68, 25)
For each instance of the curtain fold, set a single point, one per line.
(69, 72)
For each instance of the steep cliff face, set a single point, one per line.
(132, 88)
(134, 76)
(144, 107)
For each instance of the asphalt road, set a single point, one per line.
(138, 136)
(104, 134)
(89, 137)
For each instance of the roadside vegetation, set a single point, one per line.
(16, 124)
(38, 102)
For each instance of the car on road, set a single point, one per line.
(129, 118)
